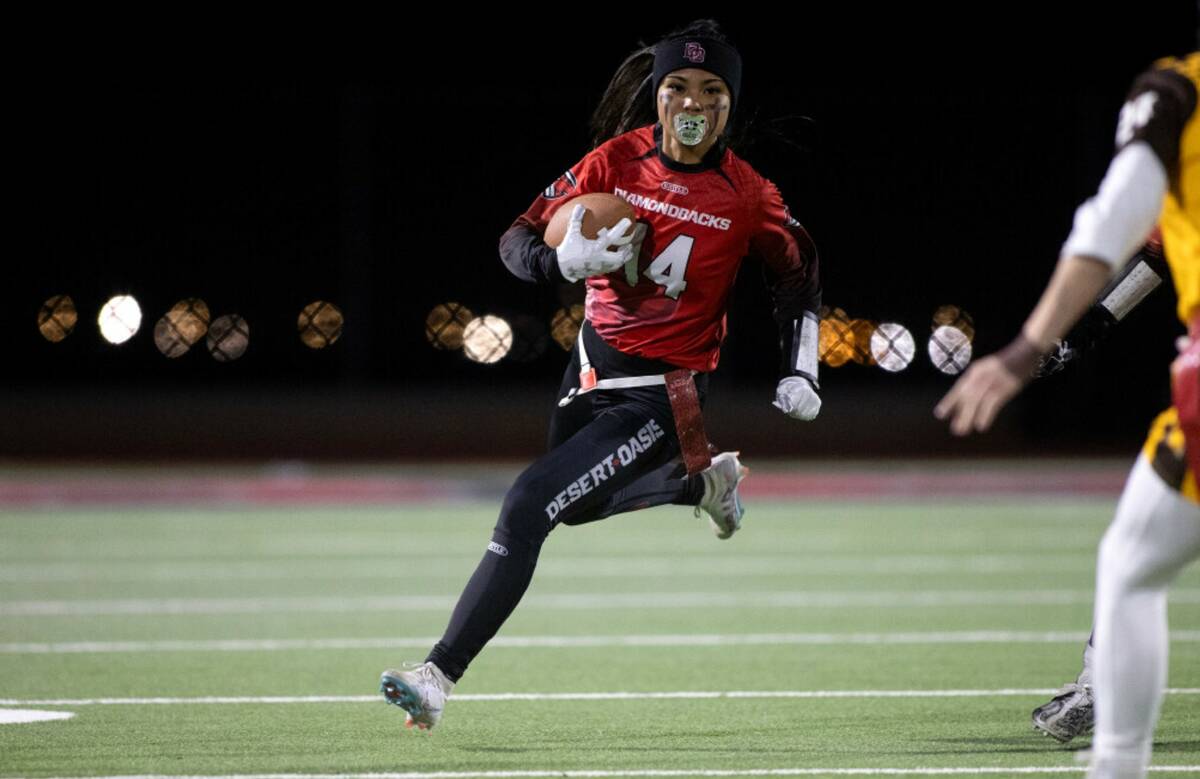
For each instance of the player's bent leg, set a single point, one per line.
(1156, 533)
(714, 491)
(562, 486)
(665, 485)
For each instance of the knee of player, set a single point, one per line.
(1113, 554)
(1123, 564)
(525, 513)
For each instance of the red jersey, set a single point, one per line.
(702, 220)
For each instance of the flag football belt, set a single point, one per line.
(1185, 394)
(681, 391)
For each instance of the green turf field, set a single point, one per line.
(814, 613)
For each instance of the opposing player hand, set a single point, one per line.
(580, 257)
(796, 397)
(978, 395)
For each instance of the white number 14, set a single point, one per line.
(668, 267)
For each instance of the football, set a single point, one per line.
(603, 210)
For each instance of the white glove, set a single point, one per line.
(796, 397)
(580, 257)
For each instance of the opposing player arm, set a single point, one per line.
(980, 393)
(1107, 229)
(1141, 276)
(1131, 196)
(1148, 136)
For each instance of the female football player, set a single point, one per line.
(656, 302)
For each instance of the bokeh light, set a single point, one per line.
(228, 338)
(445, 324)
(119, 319)
(957, 318)
(320, 324)
(57, 318)
(182, 327)
(861, 331)
(949, 350)
(835, 343)
(564, 327)
(487, 339)
(893, 347)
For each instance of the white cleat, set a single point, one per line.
(420, 690)
(720, 500)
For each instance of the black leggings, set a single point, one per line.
(610, 452)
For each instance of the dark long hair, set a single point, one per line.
(628, 101)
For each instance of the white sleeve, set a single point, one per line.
(1116, 220)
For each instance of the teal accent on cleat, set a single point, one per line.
(421, 690)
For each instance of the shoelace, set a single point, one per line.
(423, 672)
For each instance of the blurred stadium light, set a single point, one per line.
(487, 339)
(182, 327)
(949, 350)
(57, 318)
(564, 326)
(228, 338)
(892, 346)
(445, 324)
(320, 324)
(957, 318)
(120, 318)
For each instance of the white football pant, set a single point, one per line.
(1155, 533)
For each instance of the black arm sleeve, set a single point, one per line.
(1141, 276)
(527, 256)
(795, 288)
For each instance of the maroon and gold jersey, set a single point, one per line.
(702, 220)
(1161, 111)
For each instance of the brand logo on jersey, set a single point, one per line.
(693, 52)
(674, 211)
(1135, 115)
(671, 186)
(498, 549)
(563, 185)
(626, 453)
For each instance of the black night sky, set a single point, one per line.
(936, 158)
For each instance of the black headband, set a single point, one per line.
(699, 52)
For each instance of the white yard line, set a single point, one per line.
(564, 642)
(557, 696)
(792, 599)
(604, 774)
(1081, 559)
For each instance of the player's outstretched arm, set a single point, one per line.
(976, 398)
(1141, 276)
